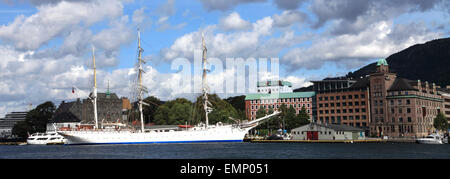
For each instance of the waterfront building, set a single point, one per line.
(297, 100)
(381, 103)
(401, 107)
(343, 101)
(7, 123)
(68, 115)
(109, 108)
(279, 86)
(445, 93)
(316, 131)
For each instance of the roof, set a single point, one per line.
(361, 83)
(401, 84)
(382, 62)
(274, 83)
(105, 96)
(337, 127)
(280, 95)
(63, 113)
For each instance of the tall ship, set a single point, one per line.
(119, 134)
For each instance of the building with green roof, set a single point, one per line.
(296, 100)
(278, 86)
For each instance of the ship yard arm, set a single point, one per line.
(256, 122)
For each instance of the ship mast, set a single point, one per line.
(204, 84)
(141, 87)
(94, 94)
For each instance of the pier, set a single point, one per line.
(320, 141)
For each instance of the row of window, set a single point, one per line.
(253, 113)
(399, 102)
(284, 100)
(337, 119)
(405, 128)
(319, 132)
(356, 124)
(343, 97)
(338, 111)
(255, 107)
(356, 103)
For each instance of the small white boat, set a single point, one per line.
(48, 138)
(431, 139)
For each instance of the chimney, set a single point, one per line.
(419, 85)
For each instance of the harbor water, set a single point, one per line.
(230, 151)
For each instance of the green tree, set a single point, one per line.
(440, 122)
(174, 112)
(290, 119)
(222, 110)
(35, 121)
(261, 112)
(150, 110)
(301, 119)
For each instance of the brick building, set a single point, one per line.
(343, 101)
(445, 93)
(382, 103)
(401, 107)
(297, 100)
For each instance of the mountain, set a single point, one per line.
(428, 62)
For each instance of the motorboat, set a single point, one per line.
(48, 138)
(431, 139)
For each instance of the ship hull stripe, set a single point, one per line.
(156, 142)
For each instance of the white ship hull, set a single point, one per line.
(225, 133)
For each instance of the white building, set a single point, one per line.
(274, 87)
(314, 131)
(7, 123)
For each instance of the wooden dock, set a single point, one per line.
(12, 143)
(320, 141)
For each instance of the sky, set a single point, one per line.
(46, 45)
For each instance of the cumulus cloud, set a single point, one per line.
(234, 22)
(288, 4)
(352, 50)
(220, 45)
(30, 33)
(223, 5)
(352, 17)
(288, 18)
(30, 73)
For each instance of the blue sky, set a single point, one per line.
(46, 45)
